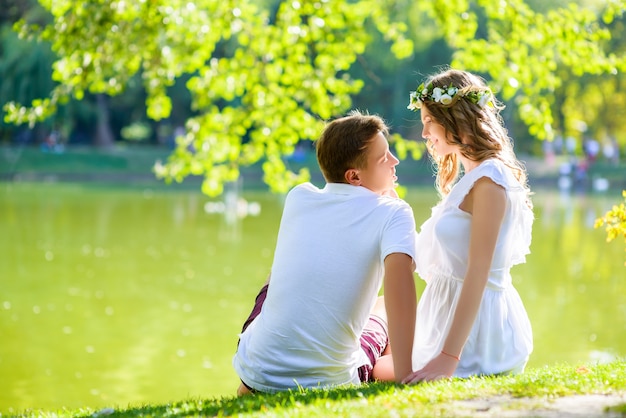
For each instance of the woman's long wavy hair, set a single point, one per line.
(478, 131)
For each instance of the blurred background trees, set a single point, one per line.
(229, 84)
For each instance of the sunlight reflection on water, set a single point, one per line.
(115, 297)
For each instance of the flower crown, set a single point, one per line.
(446, 94)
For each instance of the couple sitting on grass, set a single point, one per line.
(319, 321)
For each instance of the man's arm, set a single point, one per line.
(401, 304)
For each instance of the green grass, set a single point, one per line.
(541, 385)
(78, 160)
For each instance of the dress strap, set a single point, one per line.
(492, 168)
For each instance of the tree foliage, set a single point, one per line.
(264, 76)
(614, 221)
(523, 51)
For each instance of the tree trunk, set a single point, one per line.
(104, 134)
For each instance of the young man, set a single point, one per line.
(319, 321)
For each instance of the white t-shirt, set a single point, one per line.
(327, 271)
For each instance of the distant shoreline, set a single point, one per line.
(134, 164)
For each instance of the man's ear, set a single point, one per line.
(352, 177)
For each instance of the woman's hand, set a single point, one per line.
(441, 367)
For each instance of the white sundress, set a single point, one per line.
(501, 339)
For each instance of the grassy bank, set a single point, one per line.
(536, 392)
(134, 163)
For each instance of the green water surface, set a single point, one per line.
(111, 296)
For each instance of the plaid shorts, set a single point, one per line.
(374, 338)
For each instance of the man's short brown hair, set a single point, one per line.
(344, 142)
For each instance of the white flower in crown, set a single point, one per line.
(484, 99)
(437, 93)
(446, 94)
(415, 103)
(445, 99)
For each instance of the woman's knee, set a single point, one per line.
(379, 308)
(383, 369)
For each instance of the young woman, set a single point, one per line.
(470, 318)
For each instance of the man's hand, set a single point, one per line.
(441, 367)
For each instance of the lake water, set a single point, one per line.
(117, 296)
